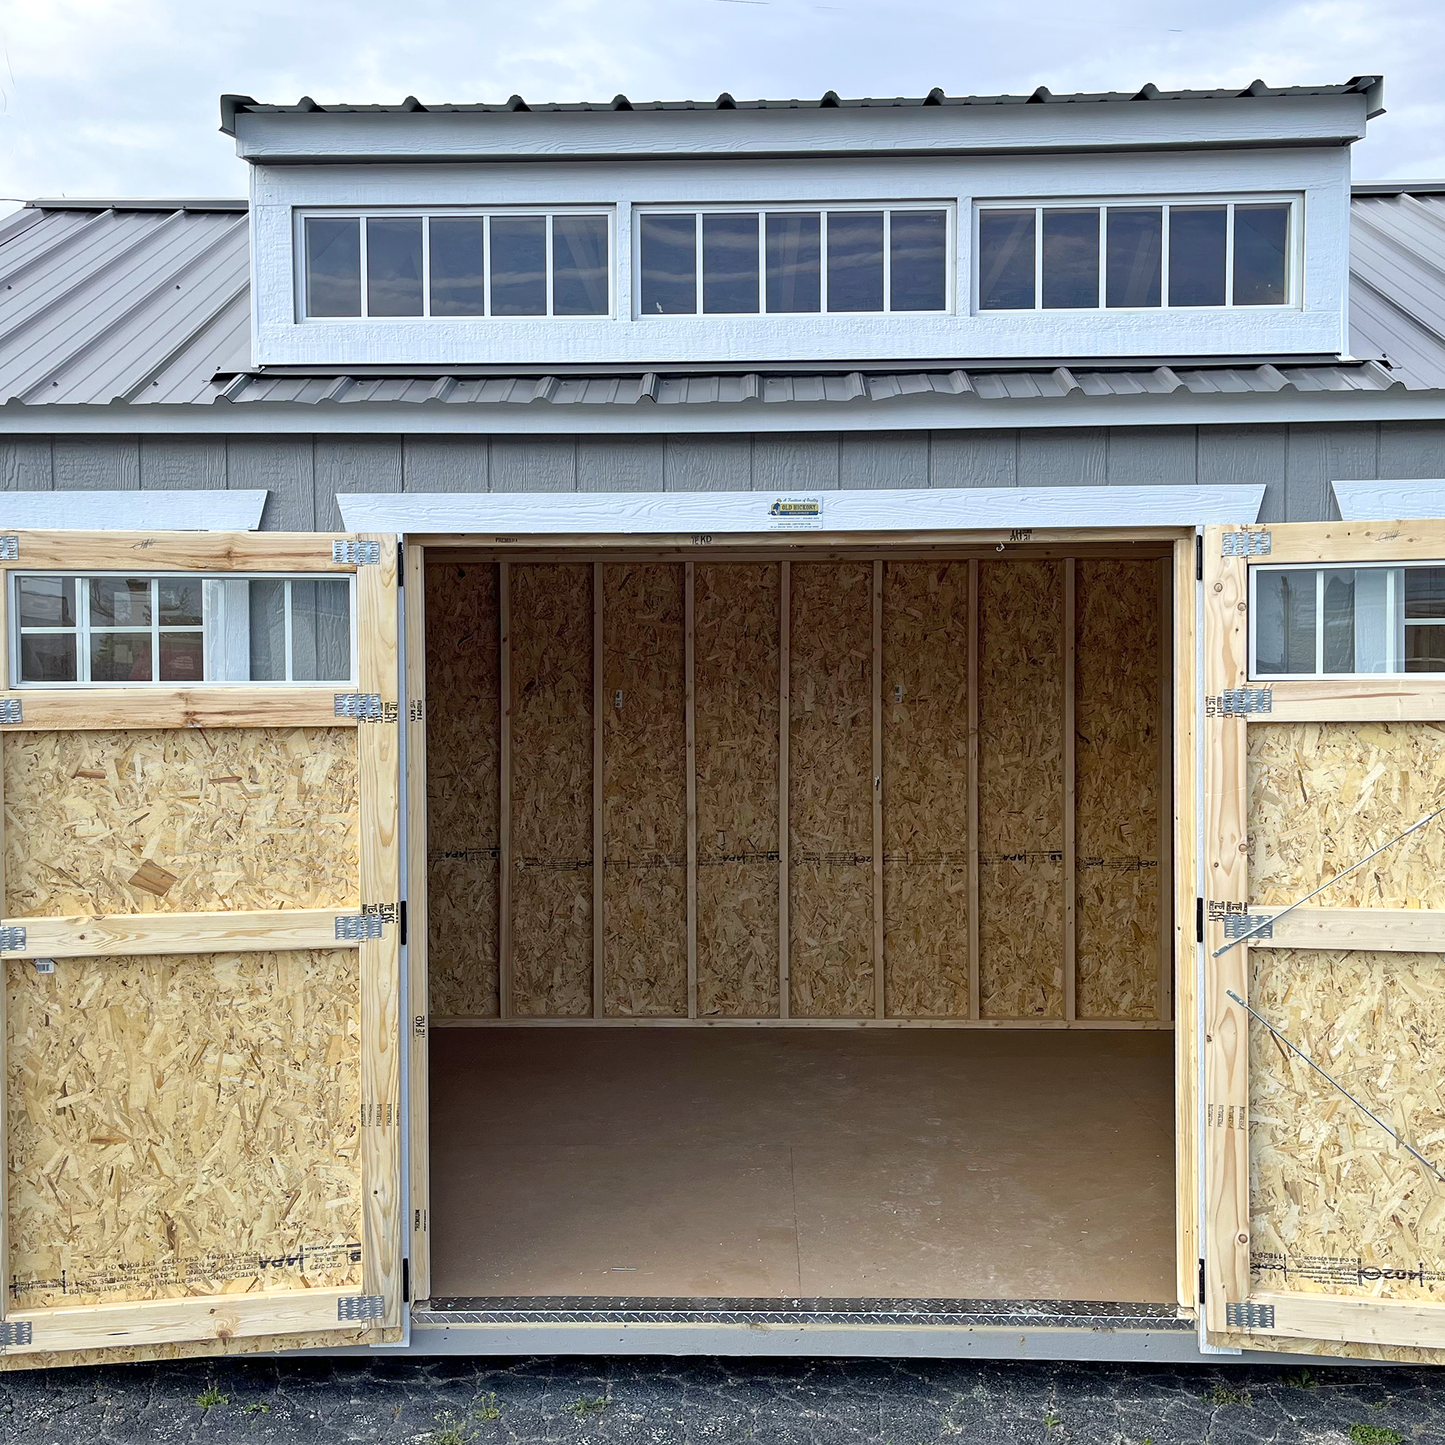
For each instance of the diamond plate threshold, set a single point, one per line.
(978, 1313)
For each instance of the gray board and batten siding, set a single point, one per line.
(302, 473)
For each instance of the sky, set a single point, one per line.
(120, 97)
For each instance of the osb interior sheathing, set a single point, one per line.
(735, 680)
(1322, 795)
(925, 788)
(551, 652)
(191, 820)
(462, 788)
(183, 1125)
(644, 751)
(1021, 789)
(1117, 740)
(1337, 1206)
(830, 799)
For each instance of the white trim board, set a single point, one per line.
(936, 509)
(195, 511)
(1385, 501)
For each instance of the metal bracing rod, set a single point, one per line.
(1329, 883)
(1369, 1114)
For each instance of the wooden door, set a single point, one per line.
(1323, 1141)
(199, 749)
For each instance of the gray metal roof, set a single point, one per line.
(121, 303)
(1370, 86)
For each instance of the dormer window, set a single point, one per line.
(1063, 256)
(456, 264)
(748, 262)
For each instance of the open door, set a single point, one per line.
(1323, 1146)
(201, 868)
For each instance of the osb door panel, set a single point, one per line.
(201, 968)
(1323, 1232)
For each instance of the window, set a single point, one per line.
(1323, 621)
(502, 264)
(857, 260)
(1067, 257)
(179, 629)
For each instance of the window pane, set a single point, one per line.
(669, 265)
(456, 266)
(393, 267)
(268, 631)
(1375, 620)
(46, 601)
(180, 601)
(855, 260)
(1425, 592)
(1005, 260)
(333, 267)
(794, 258)
(918, 261)
(730, 264)
(120, 601)
(579, 266)
(519, 265)
(1339, 621)
(1261, 240)
(182, 657)
(1071, 259)
(1425, 649)
(120, 657)
(1284, 639)
(1136, 251)
(47, 657)
(1196, 255)
(320, 631)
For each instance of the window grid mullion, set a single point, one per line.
(286, 613)
(1038, 258)
(365, 263)
(1320, 623)
(763, 262)
(1229, 254)
(823, 262)
(1164, 258)
(548, 279)
(426, 266)
(699, 301)
(887, 260)
(155, 597)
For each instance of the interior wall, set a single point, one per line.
(1016, 748)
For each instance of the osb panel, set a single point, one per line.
(1337, 1206)
(1322, 795)
(1118, 733)
(830, 795)
(551, 653)
(644, 750)
(735, 681)
(925, 788)
(183, 1125)
(202, 820)
(1021, 789)
(200, 1349)
(462, 788)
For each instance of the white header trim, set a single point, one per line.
(1368, 501)
(936, 509)
(133, 511)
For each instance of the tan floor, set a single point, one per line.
(705, 1163)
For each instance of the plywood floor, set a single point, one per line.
(807, 1163)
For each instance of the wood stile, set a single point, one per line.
(879, 988)
(785, 712)
(689, 703)
(126, 708)
(504, 763)
(599, 819)
(974, 1011)
(4, 1002)
(1164, 998)
(1070, 763)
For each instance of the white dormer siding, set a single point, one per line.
(623, 166)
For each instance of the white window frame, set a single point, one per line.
(211, 621)
(764, 209)
(1395, 601)
(362, 214)
(1294, 251)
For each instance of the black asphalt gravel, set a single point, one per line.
(698, 1402)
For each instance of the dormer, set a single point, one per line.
(1154, 224)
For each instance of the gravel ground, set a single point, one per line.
(660, 1402)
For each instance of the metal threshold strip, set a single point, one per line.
(972, 1313)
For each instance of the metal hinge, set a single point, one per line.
(1199, 938)
(401, 919)
(12, 939)
(353, 926)
(9, 548)
(1237, 925)
(351, 1308)
(1248, 1316)
(1246, 544)
(1201, 1281)
(11, 710)
(360, 554)
(16, 1332)
(364, 706)
(1240, 702)
(1198, 558)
